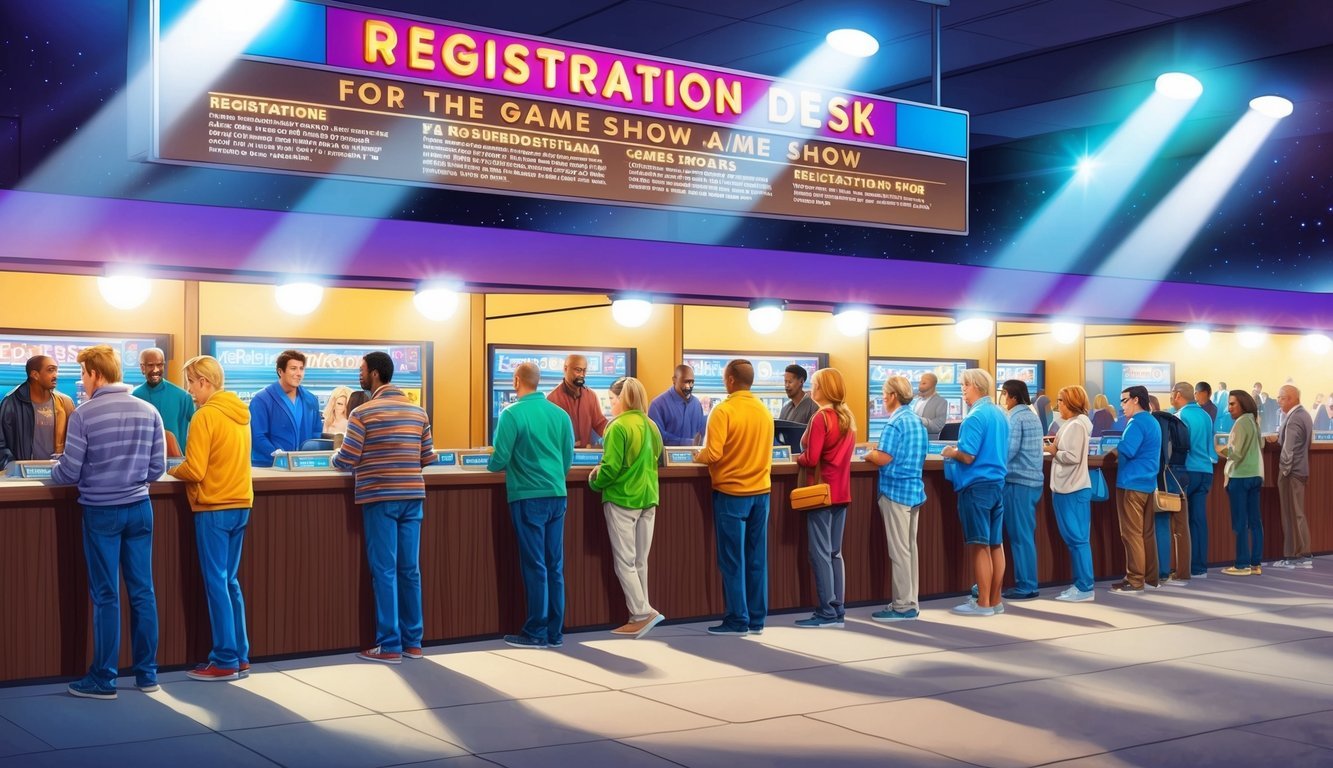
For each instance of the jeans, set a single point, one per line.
(539, 525)
(1200, 483)
(824, 529)
(1020, 526)
(1243, 492)
(1073, 516)
(118, 540)
(393, 547)
(218, 536)
(631, 534)
(740, 524)
(981, 511)
(1173, 534)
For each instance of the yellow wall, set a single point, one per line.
(1222, 360)
(1033, 341)
(54, 303)
(234, 309)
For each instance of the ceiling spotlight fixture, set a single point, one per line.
(124, 291)
(852, 42)
(631, 311)
(1066, 333)
(1198, 337)
(1318, 343)
(436, 303)
(1275, 107)
(975, 328)
(1252, 339)
(1178, 85)
(298, 297)
(851, 321)
(766, 315)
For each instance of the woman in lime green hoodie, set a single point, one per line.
(217, 476)
(1244, 475)
(627, 478)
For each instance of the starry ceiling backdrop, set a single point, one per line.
(63, 71)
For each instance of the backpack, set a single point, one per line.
(1175, 438)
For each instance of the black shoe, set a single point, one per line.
(1013, 594)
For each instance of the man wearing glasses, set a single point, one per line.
(1139, 459)
(583, 407)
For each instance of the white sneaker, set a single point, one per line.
(1075, 595)
(1306, 563)
(1289, 564)
(1174, 582)
(970, 608)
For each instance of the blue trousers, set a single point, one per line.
(1162, 528)
(824, 529)
(1020, 526)
(218, 535)
(1243, 492)
(118, 540)
(1196, 491)
(393, 548)
(1073, 516)
(540, 528)
(740, 524)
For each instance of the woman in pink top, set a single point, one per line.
(828, 443)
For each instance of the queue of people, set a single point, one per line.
(115, 444)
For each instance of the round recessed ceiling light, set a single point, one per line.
(1252, 339)
(436, 303)
(766, 315)
(124, 291)
(299, 298)
(1318, 343)
(1066, 333)
(852, 42)
(632, 312)
(1178, 85)
(851, 321)
(1275, 107)
(975, 328)
(1198, 337)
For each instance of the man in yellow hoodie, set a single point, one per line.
(738, 449)
(217, 476)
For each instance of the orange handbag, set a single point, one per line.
(807, 498)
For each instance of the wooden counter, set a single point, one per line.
(308, 590)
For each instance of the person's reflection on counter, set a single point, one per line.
(388, 442)
(34, 416)
(582, 406)
(284, 414)
(115, 447)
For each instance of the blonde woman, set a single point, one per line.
(1103, 416)
(216, 473)
(828, 443)
(337, 410)
(1071, 489)
(627, 478)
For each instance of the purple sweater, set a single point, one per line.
(114, 448)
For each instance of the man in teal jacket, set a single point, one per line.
(173, 404)
(534, 447)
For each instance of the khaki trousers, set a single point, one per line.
(1138, 531)
(900, 522)
(1295, 531)
(631, 532)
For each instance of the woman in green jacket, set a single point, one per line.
(627, 478)
(1244, 475)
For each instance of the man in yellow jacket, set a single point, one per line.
(738, 450)
(217, 476)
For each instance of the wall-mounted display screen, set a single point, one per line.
(1030, 372)
(1109, 377)
(604, 367)
(950, 385)
(768, 375)
(17, 346)
(252, 364)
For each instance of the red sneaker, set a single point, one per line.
(413, 653)
(211, 672)
(380, 655)
(244, 670)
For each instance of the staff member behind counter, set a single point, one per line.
(284, 414)
(33, 416)
(584, 409)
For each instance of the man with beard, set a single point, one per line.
(33, 416)
(678, 414)
(172, 402)
(583, 407)
(929, 406)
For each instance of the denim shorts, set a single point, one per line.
(981, 511)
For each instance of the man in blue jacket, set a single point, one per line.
(1139, 459)
(284, 414)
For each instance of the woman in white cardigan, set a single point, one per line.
(1071, 488)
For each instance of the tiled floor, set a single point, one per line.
(1234, 671)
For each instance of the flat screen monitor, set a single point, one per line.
(769, 368)
(1030, 372)
(252, 364)
(1110, 377)
(950, 385)
(604, 367)
(17, 346)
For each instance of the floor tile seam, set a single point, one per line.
(49, 745)
(616, 740)
(927, 750)
(250, 749)
(1254, 673)
(746, 673)
(102, 745)
(1190, 736)
(327, 692)
(497, 701)
(437, 759)
(306, 721)
(1247, 728)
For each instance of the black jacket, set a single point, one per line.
(16, 423)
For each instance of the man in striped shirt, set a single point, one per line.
(388, 442)
(114, 448)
